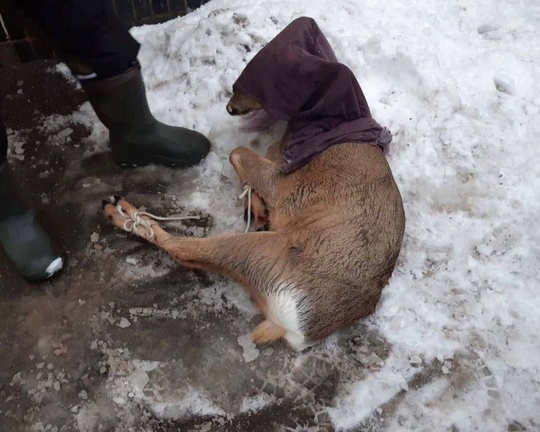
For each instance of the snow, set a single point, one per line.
(16, 145)
(250, 350)
(458, 84)
(124, 323)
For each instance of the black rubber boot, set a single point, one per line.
(24, 241)
(136, 137)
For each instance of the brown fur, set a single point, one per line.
(336, 230)
(268, 331)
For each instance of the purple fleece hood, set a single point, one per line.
(297, 78)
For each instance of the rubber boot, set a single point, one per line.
(136, 137)
(22, 238)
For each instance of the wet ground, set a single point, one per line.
(124, 339)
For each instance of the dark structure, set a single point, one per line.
(21, 40)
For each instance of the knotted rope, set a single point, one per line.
(136, 221)
(247, 191)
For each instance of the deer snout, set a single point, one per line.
(240, 104)
(231, 109)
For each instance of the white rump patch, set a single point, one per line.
(287, 307)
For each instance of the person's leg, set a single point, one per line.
(103, 55)
(6, 188)
(3, 140)
(92, 39)
(21, 237)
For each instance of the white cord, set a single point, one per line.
(135, 221)
(247, 191)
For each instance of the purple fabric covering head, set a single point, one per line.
(297, 78)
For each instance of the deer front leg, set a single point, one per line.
(260, 173)
(259, 212)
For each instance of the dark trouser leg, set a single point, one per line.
(3, 139)
(3, 143)
(92, 38)
(9, 205)
(103, 56)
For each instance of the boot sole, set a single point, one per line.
(158, 160)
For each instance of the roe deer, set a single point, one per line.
(336, 227)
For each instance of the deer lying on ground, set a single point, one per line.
(336, 227)
(336, 231)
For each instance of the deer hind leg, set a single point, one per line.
(225, 254)
(268, 331)
(121, 218)
(258, 261)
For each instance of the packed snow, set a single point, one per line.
(458, 84)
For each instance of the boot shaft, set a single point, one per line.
(10, 202)
(136, 137)
(120, 101)
(3, 142)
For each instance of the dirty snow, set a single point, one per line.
(458, 84)
(16, 145)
